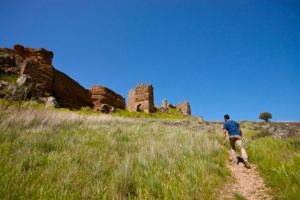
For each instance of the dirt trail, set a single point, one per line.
(245, 182)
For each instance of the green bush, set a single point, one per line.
(262, 133)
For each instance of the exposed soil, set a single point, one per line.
(246, 183)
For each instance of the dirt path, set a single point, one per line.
(246, 183)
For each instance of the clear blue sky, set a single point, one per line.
(240, 57)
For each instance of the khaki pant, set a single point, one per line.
(238, 140)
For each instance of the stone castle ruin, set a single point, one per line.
(184, 107)
(141, 99)
(102, 95)
(50, 84)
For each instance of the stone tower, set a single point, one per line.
(164, 104)
(141, 98)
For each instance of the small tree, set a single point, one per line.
(265, 116)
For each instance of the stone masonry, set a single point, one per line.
(102, 95)
(184, 107)
(141, 99)
(164, 104)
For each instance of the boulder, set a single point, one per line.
(51, 103)
(104, 108)
(24, 80)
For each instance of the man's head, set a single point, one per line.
(226, 117)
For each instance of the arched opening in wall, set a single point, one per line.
(140, 108)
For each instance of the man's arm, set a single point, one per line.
(224, 136)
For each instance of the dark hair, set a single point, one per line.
(226, 116)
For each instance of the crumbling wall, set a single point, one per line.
(131, 100)
(102, 95)
(184, 107)
(141, 98)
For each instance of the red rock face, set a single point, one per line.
(41, 54)
(37, 63)
(41, 74)
(102, 95)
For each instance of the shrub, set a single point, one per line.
(262, 133)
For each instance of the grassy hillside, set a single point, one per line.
(58, 154)
(65, 155)
(275, 148)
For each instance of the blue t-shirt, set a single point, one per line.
(232, 127)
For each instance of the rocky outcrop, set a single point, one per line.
(141, 99)
(184, 107)
(41, 54)
(102, 95)
(37, 64)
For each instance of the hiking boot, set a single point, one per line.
(235, 161)
(247, 165)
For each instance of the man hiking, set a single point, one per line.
(235, 136)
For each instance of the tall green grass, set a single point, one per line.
(279, 163)
(172, 114)
(50, 154)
